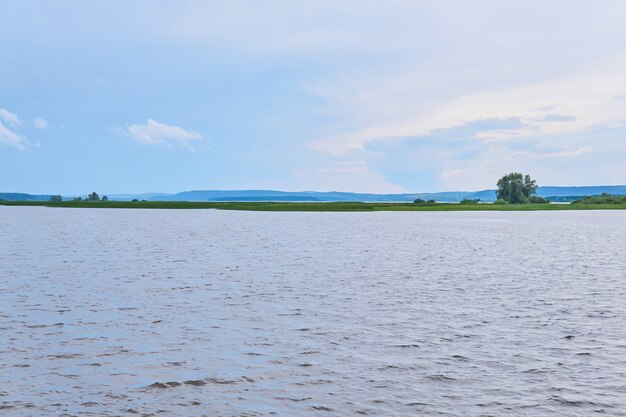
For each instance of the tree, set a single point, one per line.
(419, 201)
(105, 198)
(516, 188)
(93, 196)
(56, 198)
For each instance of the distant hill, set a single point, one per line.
(273, 195)
(23, 197)
(485, 195)
(446, 197)
(558, 194)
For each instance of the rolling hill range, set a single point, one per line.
(447, 196)
(559, 194)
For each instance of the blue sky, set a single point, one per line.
(369, 96)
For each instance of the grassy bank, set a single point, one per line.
(340, 206)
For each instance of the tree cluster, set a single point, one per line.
(516, 188)
(92, 197)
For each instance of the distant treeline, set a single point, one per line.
(602, 199)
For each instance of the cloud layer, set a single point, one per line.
(360, 95)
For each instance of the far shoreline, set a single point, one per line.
(314, 207)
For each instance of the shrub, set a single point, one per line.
(469, 201)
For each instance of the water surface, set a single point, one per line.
(216, 313)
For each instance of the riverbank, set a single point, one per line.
(333, 206)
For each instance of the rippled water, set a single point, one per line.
(216, 313)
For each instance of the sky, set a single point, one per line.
(359, 95)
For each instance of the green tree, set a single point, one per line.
(93, 196)
(56, 198)
(516, 188)
(105, 198)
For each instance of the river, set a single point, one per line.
(107, 312)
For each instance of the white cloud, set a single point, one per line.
(155, 133)
(587, 98)
(40, 123)
(9, 118)
(10, 138)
